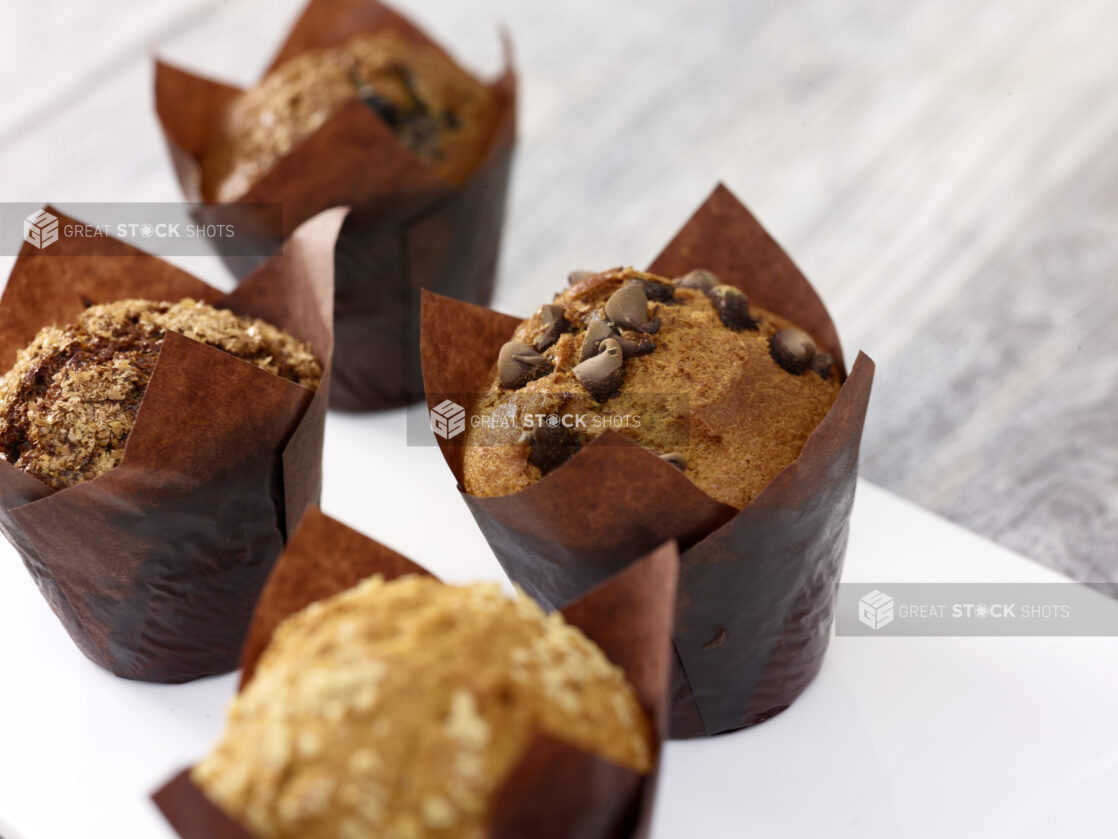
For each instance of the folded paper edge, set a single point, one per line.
(344, 19)
(851, 414)
(184, 132)
(288, 589)
(740, 259)
(23, 286)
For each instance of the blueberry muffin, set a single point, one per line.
(726, 391)
(440, 112)
(396, 709)
(69, 403)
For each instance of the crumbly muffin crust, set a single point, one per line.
(70, 400)
(397, 709)
(707, 376)
(440, 112)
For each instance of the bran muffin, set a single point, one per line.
(437, 110)
(397, 709)
(70, 401)
(687, 368)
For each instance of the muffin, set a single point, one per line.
(399, 708)
(714, 409)
(70, 400)
(437, 110)
(361, 109)
(726, 391)
(150, 476)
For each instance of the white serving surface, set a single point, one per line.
(898, 737)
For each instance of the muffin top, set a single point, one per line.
(397, 709)
(687, 368)
(68, 404)
(439, 111)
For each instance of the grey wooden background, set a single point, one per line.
(945, 171)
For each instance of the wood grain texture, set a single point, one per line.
(944, 171)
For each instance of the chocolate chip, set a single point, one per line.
(598, 329)
(450, 120)
(700, 278)
(631, 348)
(657, 291)
(421, 129)
(675, 459)
(732, 306)
(792, 349)
(384, 109)
(821, 363)
(554, 323)
(550, 446)
(551, 313)
(628, 307)
(602, 374)
(577, 276)
(518, 364)
(87, 302)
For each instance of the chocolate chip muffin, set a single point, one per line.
(726, 391)
(69, 403)
(440, 112)
(397, 709)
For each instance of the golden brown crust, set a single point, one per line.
(397, 709)
(440, 112)
(68, 404)
(709, 393)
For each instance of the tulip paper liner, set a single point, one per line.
(556, 791)
(409, 229)
(757, 585)
(154, 567)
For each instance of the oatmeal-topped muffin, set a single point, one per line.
(399, 708)
(726, 391)
(69, 403)
(437, 110)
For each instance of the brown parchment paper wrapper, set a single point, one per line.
(409, 229)
(154, 567)
(557, 791)
(757, 585)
